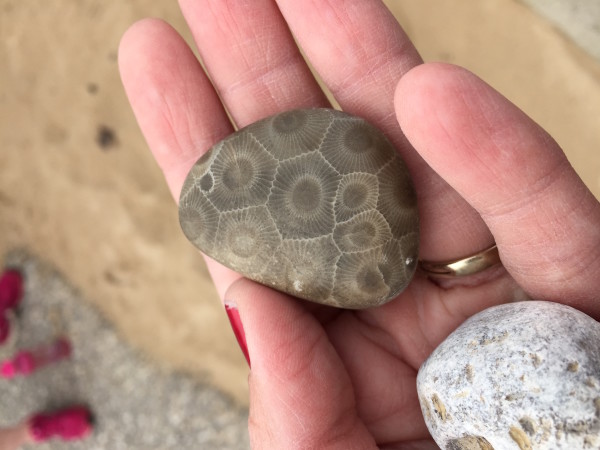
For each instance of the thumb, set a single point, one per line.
(300, 393)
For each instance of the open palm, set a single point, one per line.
(483, 171)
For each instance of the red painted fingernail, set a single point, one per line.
(4, 328)
(11, 289)
(68, 424)
(28, 361)
(238, 329)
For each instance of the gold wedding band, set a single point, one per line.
(464, 266)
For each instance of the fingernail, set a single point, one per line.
(236, 324)
(11, 289)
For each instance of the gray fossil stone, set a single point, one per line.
(313, 202)
(523, 375)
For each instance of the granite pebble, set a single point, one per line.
(523, 375)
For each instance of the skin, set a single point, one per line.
(483, 171)
(15, 437)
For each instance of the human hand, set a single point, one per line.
(483, 171)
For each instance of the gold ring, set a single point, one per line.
(464, 266)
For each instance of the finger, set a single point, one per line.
(361, 52)
(251, 57)
(300, 394)
(358, 48)
(175, 105)
(546, 222)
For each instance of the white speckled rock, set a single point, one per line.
(517, 376)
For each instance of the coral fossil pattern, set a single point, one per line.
(313, 202)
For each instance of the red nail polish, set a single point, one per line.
(26, 362)
(4, 328)
(238, 330)
(68, 424)
(11, 289)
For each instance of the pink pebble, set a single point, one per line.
(69, 425)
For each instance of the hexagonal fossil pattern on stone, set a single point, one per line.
(315, 203)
